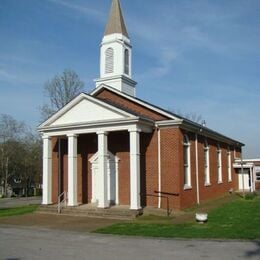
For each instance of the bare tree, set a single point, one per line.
(60, 90)
(10, 129)
(193, 116)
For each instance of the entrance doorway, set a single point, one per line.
(112, 179)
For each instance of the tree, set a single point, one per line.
(190, 116)
(60, 90)
(10, 130)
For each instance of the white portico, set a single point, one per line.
(84, 115)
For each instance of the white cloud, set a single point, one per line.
(95, 13)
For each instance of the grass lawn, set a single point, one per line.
(17, 211)
(239, 219)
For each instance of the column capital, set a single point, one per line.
(102, 132)
(72, 135)
(46, 137)
(134, 130)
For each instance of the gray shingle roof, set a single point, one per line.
(116, 22)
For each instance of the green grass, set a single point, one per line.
(239, 219)
(17, 211)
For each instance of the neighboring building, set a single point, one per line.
(250, 179)
(111, 148)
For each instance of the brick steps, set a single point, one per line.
(111, 213)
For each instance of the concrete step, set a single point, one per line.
(112, 213)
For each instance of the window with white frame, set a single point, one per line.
(109, 67)
(257, 172)
(126, 69)
(206, 163)
(186, 157)
(219, 163)
(229, 165)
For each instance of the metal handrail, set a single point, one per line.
(162, 195)
(63, 201)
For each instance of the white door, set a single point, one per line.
(112, 179)
(244, 180)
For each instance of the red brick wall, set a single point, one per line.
(189, 197)
(171, 166)
(149, 168)
(118, 144)
(172, 170)
(127, 104)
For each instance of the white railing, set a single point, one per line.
(62, 201)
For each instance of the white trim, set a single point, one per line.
(219, 164)
(197, 168)
(47, 171)
(72, 170)
(186, 145)
(134, 100)
(229, 166)
(102, 169)
(135, 201)
(90, 127)
(75, 101)
(159, 167)
(94, 163)
(206, 162)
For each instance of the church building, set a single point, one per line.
(109, 147)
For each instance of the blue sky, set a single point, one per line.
(198, 56)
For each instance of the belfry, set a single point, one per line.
(116, 54)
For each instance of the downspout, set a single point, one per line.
(251, 179)
(159, 167)
(197, 169)
(242, 172)
(59, 167)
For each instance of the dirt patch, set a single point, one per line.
(60, 222)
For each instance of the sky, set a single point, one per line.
(200, 57)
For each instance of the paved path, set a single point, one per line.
(18, 202)
(34, 243)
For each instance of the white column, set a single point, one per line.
(135, 202)
(102, 169)
(72, 170)
(47, 171)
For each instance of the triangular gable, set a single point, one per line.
(83, 109)
(165, 115)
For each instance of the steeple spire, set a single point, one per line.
(116, 54)
(116, 22)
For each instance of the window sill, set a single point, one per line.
(229, 180)
(220, 182)
(187, 187)
(207, 184)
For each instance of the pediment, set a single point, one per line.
(84, 109)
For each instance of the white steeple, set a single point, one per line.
(116, 54)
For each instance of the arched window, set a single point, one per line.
(109, 64)
(219, 163)
(206, 163)
(126, 68)
(186, 158)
